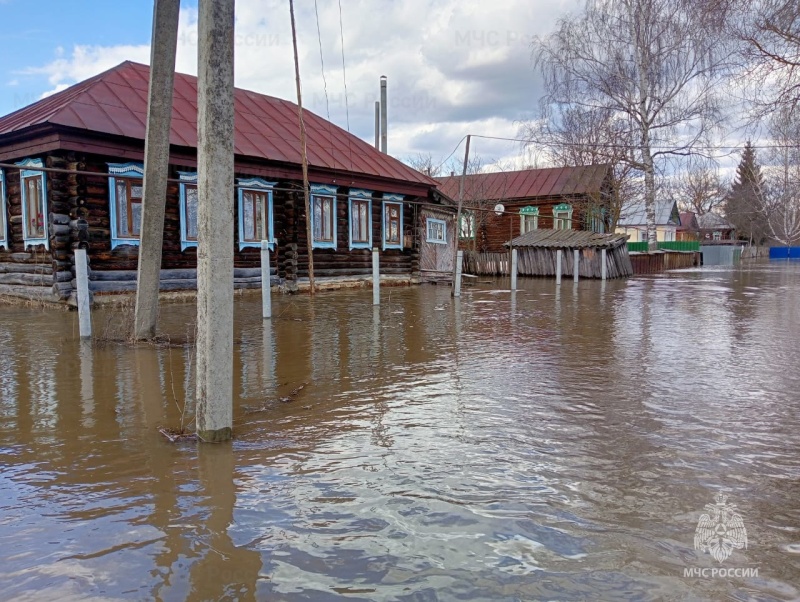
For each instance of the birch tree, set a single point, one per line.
(657, 65)
(783, 178)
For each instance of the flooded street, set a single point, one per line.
(554, 445)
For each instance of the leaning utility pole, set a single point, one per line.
(304, 155)
(458, 212)
(156, 164)
(215, 111)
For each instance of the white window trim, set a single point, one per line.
(391, 199)
(436, 241)
(467, 217)
(524, 215)
(3, 212)
(32, 173)
(186, 177)
(359, 195)
(256, 185)
(323, 190)
(128, 171)
(566, 221)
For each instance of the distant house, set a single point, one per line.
(501, 206)
(689, 228)
(633, 222)
(91, 137)
(715, 227)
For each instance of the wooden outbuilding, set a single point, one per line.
(71, 177)
(537, 253)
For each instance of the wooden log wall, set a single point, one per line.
(342, 261)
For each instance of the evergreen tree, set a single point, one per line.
(744, 204)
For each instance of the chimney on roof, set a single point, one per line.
(384, 116)
(452, 174)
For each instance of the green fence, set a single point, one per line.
(672, 245)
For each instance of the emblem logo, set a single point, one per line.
(721, 530)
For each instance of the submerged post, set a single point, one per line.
(603, 265)
(459, 269)
(84, 311)
(513, 269)
(558, 266)
(376, 277)
(576, 264)
(156, 165)
(266, 296)
(215, 220)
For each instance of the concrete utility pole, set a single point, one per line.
(458, 211)
(215, 110)
(156, 164)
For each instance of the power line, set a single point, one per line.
(344, 70)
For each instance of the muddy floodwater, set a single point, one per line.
(554, 445)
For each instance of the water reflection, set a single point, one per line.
(550, 443)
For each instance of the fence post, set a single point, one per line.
(376, 278)
(84, 311)
(603, 264)
(513, 269)
(266, 289)
(576, 264)
(459, 268)
(558, 266)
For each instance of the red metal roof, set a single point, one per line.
(527, 183)
(115, 102)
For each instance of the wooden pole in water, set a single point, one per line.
(304, 157)
(460, 204)
(459, 268)
(603, 265)
(513, 269)
(376, 277)
(558, 266)
(576, 264)
(84, 311)
(266, 292)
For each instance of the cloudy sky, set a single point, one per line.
(454, 67)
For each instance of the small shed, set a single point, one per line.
(537, 251)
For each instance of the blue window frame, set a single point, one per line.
(188, 209)
(34, 204)
(323, 216)
(360, 211)
(3, 226)
(392, 227)
(436, 230)
(126, 188)
(255, 213)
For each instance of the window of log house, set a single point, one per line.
(126, 188)
(3, 228)
(360, 209)
(392, 221)
(562, 216)
(34, 203)
(255, 213)
(188, 209)
(436, 231)
(466, 230)
(528, 219)
(323, 216)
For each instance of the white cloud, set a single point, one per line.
(454, 67)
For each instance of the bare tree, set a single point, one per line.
(425, 163)
(656, 65)
(699, 188)
(575, 135)
(771, 32)
(783, 178)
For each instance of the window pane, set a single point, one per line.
(123, 219)
(136, 210)
(327, 220)
(260, 201)
(317, 219)
(136, 191)
(35, 207)
(191, 212)
(249, 216)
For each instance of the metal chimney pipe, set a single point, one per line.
(378, 124)
(384, 116)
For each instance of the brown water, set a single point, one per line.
(557, 445)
